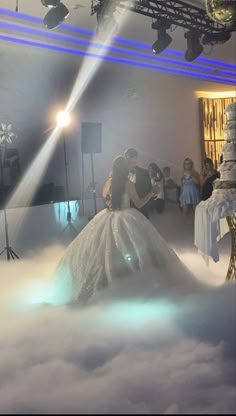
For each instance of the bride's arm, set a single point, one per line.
(106, 188)
(140, 202)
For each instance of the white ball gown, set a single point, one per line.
(113, 245)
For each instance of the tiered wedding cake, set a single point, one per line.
(228, 168)
(210, 215)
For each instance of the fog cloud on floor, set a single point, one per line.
(133, 350)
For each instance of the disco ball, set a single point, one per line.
(222, 11)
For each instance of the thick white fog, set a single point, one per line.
(134, 350)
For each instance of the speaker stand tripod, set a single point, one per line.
(11, 254)
(69, 225)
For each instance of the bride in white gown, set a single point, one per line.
(115, 243)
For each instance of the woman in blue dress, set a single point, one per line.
(190, 188)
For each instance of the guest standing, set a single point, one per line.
(171, 189)
(157, 177)
(190, 188)
(207, 177)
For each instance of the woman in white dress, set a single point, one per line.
(117, 242)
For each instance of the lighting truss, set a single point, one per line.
(176, 12)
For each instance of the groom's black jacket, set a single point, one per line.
(143, 186)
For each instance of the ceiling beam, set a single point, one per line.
(175, 12)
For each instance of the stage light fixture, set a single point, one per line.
(56, 16)
(163, 38)
(215, 38)
(50, 3)
(194, 46)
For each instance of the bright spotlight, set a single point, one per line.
(128, 257)
(63, 119)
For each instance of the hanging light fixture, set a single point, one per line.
(222, 11)
(50, 3)
(163, 38)
(194, 46)
(57, 14)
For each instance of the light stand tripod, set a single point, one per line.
(68, 217)
(93, 184)
(10, 252)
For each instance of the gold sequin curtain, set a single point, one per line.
(212, 123)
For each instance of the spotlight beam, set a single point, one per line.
(89, 68)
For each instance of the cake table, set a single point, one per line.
(217, 215)
(213, 219)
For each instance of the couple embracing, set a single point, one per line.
(118, 242)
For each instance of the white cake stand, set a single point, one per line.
(231, 273)
(213, 219)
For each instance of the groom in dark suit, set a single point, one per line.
(139, 177)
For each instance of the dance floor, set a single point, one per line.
(168, 354)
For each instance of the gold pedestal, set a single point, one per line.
(231, 274)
